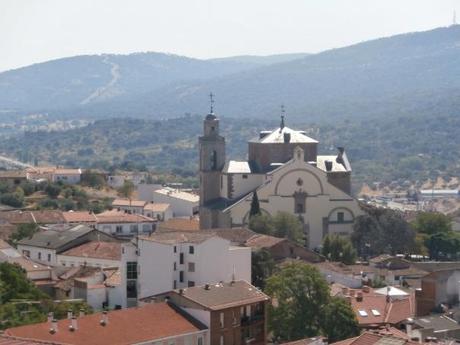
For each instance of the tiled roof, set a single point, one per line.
(178, 194)
(128, 203)
(4, 245)
(235, 235)
(55, 239)
(223, 295)
(180, 224)
(79, 217)
(378, 309)
(383, 336)
(316, 340)
(277, 136)
(178, 237)
(16, 217)
(96, 250)
(156, 207)
(126, 326)
(5, 340)
(13, 174)
(260, 241)
(66, 171)
(48, 217)
(113, 277)
(114, 216)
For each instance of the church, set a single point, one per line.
(288, 175)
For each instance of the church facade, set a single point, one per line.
(287, 174)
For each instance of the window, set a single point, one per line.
(340, 217)
(134, 228)
(181, 276)
(175, 284)
(131, 270)
(200, 341)
(49, 257)
(244, 176)
(175, 249)
(181, 258)
(175, 266)
(119, 229)
(26, 253)
(191, 267)
(221, 340)
(39, 255)
(191, 250)
(362, 313)
(146, 228)
(221, 319)
(299, 208)
(191, 283)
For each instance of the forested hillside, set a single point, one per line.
(406, 148)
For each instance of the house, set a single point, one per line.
(66, 176)
(438, 287)
(13, 177)
(433, 326)
(179, 224)
(235, 312)
(158, 211)
(173, 260)
(287, 174)
(375, 310)
(118, 179)
(386, 335)
(124, 225)
(183, 204)
(93, 253)
(44, 245)
(159, 323)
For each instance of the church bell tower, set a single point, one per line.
(212, 159)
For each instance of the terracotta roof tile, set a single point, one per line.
(180, 224)
(223, 295)
(48, 217)
(79, 217)
(178, 237)
(96, 250)
(156, 207)
(111, 217)
(128, 203)
(126, 326)
(263, 241)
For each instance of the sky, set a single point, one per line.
(33, 31)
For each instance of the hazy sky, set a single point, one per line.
(38, 30)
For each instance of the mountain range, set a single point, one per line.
(408, 74)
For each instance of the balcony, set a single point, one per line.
(248, 320)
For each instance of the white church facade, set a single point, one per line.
(287, 174)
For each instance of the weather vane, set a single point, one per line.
(211, 99)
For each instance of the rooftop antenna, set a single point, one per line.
(283, 111)
(211, 101)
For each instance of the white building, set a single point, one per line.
(155, 210)
(94, 253)
(122, 224)
(67, 176)
(176, 260)
(183, 204)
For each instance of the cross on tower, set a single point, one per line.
(282, 116)
(211, 101)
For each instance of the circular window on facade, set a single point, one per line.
(299, 182)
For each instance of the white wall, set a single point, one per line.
(240, 263)
(68, 179)
(96, 296)
(145, 191)
(34, 254)
(242, 186)
(180, 207)
(111, 228)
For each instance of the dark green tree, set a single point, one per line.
(23, 231)
(303, 307)
(53, 190)
(127, 189)
(432, 222)
(339, 320)
(262, 224)
(262, 267)
(92, 179)
(255, 207)
(288, 226)
(338, 248)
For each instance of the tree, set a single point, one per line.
(338, 248)
(92, 179)
(262, 267)
(127, 189)
(12, 199)
(300, 306)
(53, 190)
(443, 245)
(288, 226)
(339, 320)
(255, 207)
(432, 222)
(382, 231)
(262, 224)
(23, 231)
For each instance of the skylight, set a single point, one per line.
(375, 312)
(362, 313)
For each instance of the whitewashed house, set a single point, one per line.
(122, 224)
(67, 176)
(183, 204)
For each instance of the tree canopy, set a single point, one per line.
(302, 306)
(338, 248)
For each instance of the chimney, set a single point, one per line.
(287, 138)
(352, 293)
(54, 326)
(207, 287)
(328, 165)
(409, 324)
(105, 319)
(181, 291)
(345, 291)
(69, 314)
(366, 289)
(50, 317)
(82, 312)
(359, 296)
(339, 158)
(73, 324)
